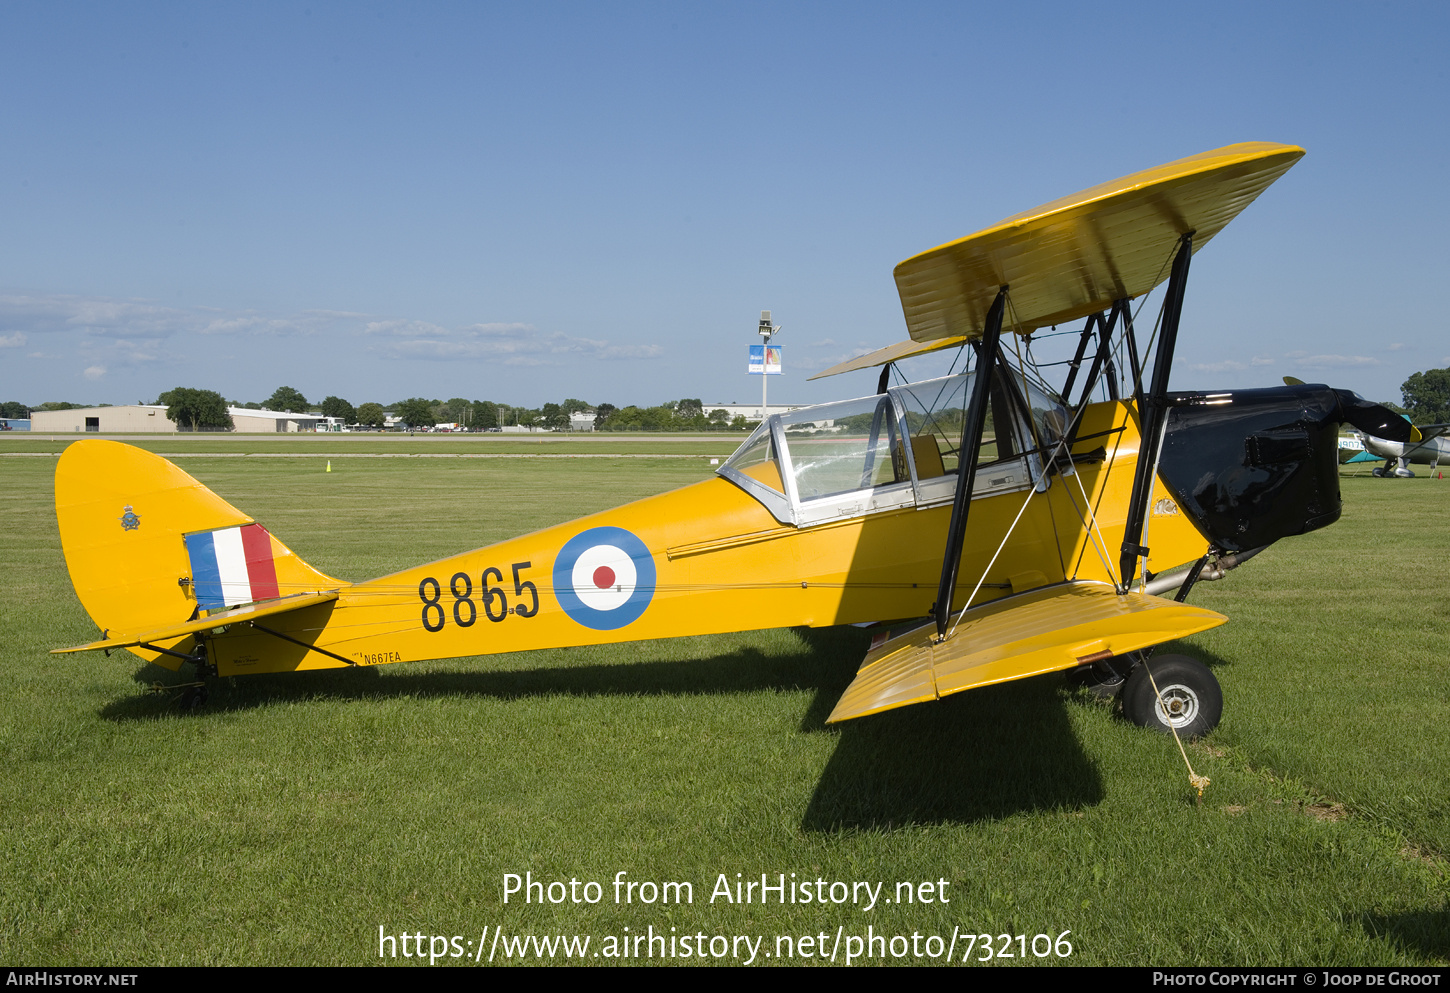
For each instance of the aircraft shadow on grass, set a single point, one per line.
(984, 755)
(1422, 932)
(993, 752)
(823, 667)
(999, 751)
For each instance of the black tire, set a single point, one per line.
(1188, 688)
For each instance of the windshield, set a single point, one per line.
(756, 459)
(889, 450)
(843, 447)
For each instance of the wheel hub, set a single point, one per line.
(1178, 705)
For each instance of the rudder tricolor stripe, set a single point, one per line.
(232, 566)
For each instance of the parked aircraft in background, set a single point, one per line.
(1432, 449)
(1428, 444)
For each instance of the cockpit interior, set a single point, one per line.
(897, 449)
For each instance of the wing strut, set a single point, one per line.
(976, 420)
(1152, 413)
(1103, 356)
(1100, 357)
(1131, 341)
(1076, 363)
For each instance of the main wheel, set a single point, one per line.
(1192, 702)
(193, 698)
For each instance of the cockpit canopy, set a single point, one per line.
(895, 450)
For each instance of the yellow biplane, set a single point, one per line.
(1025, 531)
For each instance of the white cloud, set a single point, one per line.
(94, 372)
(93, 315)
(1258, 360)
(408, 329)
(1228, 365)
(137, 332)
(332, 314)
(1337, 361)
(105, 317)
(501, 329)
(511, 344)
(142, 351)
(254, 324)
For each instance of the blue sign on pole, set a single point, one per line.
(765, 360)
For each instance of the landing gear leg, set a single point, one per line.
(193, 694)
(1104, 679)
(194, 697)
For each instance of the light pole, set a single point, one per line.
(767, 331)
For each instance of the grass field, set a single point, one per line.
(294, 816)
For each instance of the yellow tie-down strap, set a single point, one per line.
(1046, 630)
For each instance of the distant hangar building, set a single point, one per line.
(152, 419)
(750, 411)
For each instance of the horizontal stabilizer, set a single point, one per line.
(235, 615)
(1045, 630)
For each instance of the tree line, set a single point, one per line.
(483, 415)
(201, 410)
(1426, 398)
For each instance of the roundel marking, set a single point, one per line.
(604, 578)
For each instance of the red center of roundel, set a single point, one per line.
(604, 577)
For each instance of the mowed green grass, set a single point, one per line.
(293, 816)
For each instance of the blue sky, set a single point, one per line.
(527, 202)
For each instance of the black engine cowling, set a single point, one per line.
(1252, 466)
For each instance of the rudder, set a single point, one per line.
(148, 546)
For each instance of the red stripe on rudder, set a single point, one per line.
(257, 545)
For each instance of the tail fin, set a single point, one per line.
(148, 546)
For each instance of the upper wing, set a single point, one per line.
(891, 353)
(1075, 256)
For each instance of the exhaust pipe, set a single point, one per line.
(1214, 570)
